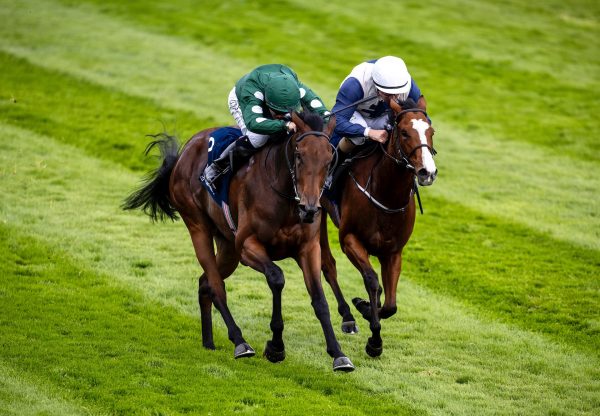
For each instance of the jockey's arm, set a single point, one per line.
(350, 92)
(311, 100)
(256, 120)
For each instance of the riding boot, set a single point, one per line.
(231, 158)
(343, 162)
(241, 152)
(218, 166)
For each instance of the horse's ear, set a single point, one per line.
(330, 126)
(421, 103)
(299, 122)
(394, 105)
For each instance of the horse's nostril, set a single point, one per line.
(423, 172)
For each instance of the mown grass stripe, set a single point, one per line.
(85, 44)
(120, 353)
(106, 123)
(520, 183)
(21, 397)
(509, 272)
(447, 358)
(471, 83)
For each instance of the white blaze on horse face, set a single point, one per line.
(421, 127)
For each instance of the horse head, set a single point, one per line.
(412, 140)
(313, 155)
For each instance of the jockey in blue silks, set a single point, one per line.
(382, 79)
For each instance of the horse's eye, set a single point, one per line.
(404, 133)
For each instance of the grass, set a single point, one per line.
(499, 296)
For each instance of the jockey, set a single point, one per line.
(382, 79)
(260, 103)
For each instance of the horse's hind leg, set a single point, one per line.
(227, 262)
(205, 302)
(215, 287)
(254, 255)
(358, 255)
(390, 273)
(330, 272)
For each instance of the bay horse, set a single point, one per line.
(277, 213)
(377, 214)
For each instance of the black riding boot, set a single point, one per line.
(241, 152)
(343, 162)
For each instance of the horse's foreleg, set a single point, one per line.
(359, 257)
(390, 273)
(309, 261)
(254, 255)
(214, 288)
(330, 272)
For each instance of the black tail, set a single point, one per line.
(153, 196)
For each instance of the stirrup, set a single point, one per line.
(218, 172)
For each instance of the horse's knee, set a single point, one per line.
(371, 281)
(275, 278)
(203, 287)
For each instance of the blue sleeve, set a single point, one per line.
(349, 93)
(414, 92)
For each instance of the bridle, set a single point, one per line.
(292, 169)
(404, 160)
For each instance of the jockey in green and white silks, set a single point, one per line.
(259, 102)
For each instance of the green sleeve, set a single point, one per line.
(311, 100)
(256, 115)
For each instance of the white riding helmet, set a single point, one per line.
(391, 76)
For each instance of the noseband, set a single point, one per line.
(291, 169)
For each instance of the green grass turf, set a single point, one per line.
(437, 343)
(499, 298)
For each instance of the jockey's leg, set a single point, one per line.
(242, 151)
(234, 156)
(219, 166)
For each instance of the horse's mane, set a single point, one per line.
(314, 120)
(407, 104)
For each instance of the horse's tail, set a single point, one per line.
(153, 196)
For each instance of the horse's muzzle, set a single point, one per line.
(426, 177)
(308, 213)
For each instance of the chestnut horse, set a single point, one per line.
(275, 209)
(377, 214)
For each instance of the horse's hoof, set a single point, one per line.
(373, 350)
(363, 306)
(349, 327)
(243, 350)
(272, 354)
(209, 345)
(343, 364)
